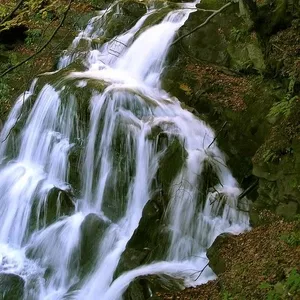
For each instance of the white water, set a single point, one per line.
(115, 185)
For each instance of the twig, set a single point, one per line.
(248, 190)
(202, 271)
(218, 134)
(44, 46)
(203, 24)
(277, 47)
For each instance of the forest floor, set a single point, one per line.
(263, 263)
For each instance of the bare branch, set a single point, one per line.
(200, 273)
(249, 189)
(203, 24)
(223, 126)
(44, 46)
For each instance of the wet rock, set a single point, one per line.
(58, 203)
(92, 230)
(216, 262)
(143, 246)
(171, 163)
(150, 240)
(11, 287)
(134, 9)
(145, 287)
(124, 16)
(101, 4)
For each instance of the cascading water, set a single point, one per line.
(62, 169)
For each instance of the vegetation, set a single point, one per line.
(34, 30)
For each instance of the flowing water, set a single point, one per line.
(62, 168)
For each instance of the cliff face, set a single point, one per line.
(240, 72)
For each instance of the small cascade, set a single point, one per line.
(84, 156)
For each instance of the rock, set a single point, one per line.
(225, 40)
(134, 8)
(216, 262)
(171, 163)
(11, 287)
(143, 246)
(245, 52)
(123, 16)
(101, 4)
(92, 231)
(57, 203)
(271, 16)
(145, 287)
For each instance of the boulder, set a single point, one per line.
(145, 287)
(216, 261)
(101, 4)
(134, 8)
(92, 230)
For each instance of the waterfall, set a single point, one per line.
(86, 146)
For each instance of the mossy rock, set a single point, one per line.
(246, 54)
(130, 13)
(100, 4)
(58, 203)
(145, 287)
(134, 8)
(143, 247)
(171, 163)
(272, 16)
(91, 233)
(66, 205)
(11, 287)
(216, 261)
(118, 24)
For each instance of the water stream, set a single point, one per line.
(118, 157)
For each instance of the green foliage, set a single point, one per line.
(292, 239)
(4, 10)
(283, 290)
(284, 107)
(31, 12)
(4, 97)
(269, 156)
(32, 36)
(226, 296)
(236, 34)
